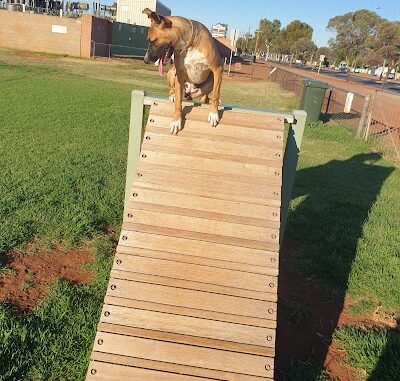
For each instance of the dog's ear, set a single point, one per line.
(157, 19)
(153, 16)
(166, 22)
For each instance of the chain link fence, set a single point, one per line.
(382, 129)
(99, 49)
(375, 118)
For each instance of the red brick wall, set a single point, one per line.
(86, 36)
(34, 32)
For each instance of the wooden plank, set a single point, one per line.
(202, 225)
(188, 325)
(129, 301)
(167, 367)
(183, 354)
(227, 187)
(242, 120)
(201, 130)
(109, 372)
(206, 204)
(196, 273)
(190, 154)
(274, 160)
(218, 263)
(191, 285)
(178, 160)
(194, 299)
(200, 248)
(133, 207)
(187, 340)
(267, 153)
(199, 236)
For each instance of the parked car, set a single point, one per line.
(357, 70)
(344, 69)
(391, 76)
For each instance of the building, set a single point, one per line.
(219, 30)
(130, 11)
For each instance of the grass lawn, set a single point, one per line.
(63, 133)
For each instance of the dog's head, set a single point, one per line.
(159, 38)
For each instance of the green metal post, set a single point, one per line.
(135, 140)
(290, 161)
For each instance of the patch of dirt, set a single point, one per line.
(25, 284)
(336, 367)
(308, 315)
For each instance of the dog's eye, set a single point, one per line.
(153, 41)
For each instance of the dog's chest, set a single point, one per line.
(196, 66)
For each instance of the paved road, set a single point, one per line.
(391, 86)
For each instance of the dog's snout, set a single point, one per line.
(146, 58)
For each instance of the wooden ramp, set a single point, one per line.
(193, 289)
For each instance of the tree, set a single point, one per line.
(267, 33)
(303, 48)
(386, 45)
(354, 32)
(291, 34)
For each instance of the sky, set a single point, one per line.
(243, 14)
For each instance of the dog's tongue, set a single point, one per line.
(161, 64)
(161, 68)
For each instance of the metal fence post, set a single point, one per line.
(363, 119)
(290, 160)
(135, 140)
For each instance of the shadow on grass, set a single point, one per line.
(388, 367)
(331, 204)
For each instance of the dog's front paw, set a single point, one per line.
(213, 118)
(172, 98)
(175, 126)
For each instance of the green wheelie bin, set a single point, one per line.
(312, 98)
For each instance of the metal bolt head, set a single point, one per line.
(273, 260)
(130, 215)
(268, 367)
(144, 155)
(93, 371)
(269, 338)
(273, 236)
(100, 341)
(276, 193)
(118, 261)
(139, 174)
(134, 194)
(113, 287)
(148, 137)
(106, 313)
(272, 285)
(124, 237)
(274, 214)
(151, 120)
(270, 310)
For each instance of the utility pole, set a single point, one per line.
(258, 34)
